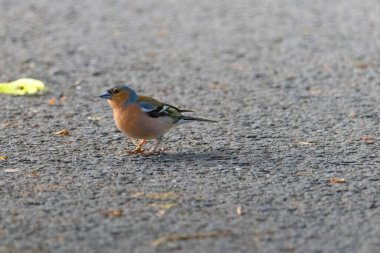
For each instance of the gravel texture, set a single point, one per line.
(295, 86)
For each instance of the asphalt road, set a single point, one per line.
(293, 165)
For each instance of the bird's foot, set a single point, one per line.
(136, 151)
(139, 148)
(156, 151)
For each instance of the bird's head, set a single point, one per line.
(120, 95)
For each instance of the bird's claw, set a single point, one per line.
(156, 151)
(136, 151)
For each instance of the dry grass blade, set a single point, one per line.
(117, 212)
(48, 187)
(335, 180)
(305, 142)
(194, 236)
(94, 118)
(157, 195)
(305, 173)
(63, 132)
(162, 195)
(163, 207)
(218, 86)
(162, 33)
(363, 65)
(11, 170)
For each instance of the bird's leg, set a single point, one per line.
(138, 149)
(135, 141)
(155, 149)
(140, 145)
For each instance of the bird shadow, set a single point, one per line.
(221, 154)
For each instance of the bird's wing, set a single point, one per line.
(155, 108)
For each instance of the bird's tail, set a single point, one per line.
(189, 118)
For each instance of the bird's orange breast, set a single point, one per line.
(134, 122)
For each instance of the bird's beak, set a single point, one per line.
(106, 95)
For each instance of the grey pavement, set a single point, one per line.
(292, 166)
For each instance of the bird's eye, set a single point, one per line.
(115, 91)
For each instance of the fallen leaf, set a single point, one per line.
(11, 170)
(116, 213)
(314, 91)
(116, 33)
(23, 86)
(151, 53)
(352, 115)
(33, 174)
(239, 210)
(363, 65)
(368, 139)
(290, 78)
(194, 236)
(162, 33)
(63, 132)
(335, 180)
(290, 248)
(3, 157)
(52, 101)
(62, 99)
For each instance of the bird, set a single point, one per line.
(144, 118)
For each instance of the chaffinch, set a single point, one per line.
(144, 118)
